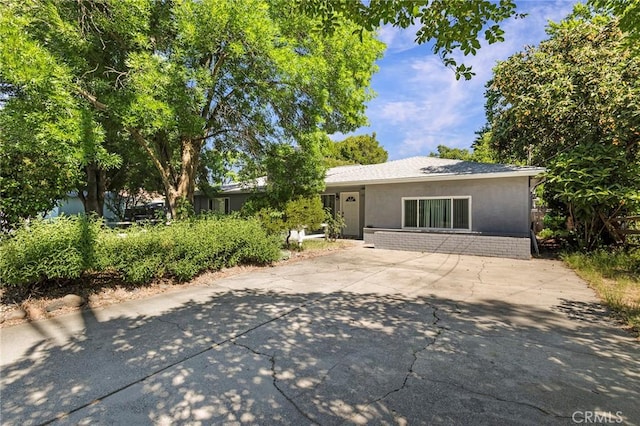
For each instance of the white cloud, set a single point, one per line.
(421, 105)
(425, 108)
(396, 39)
(398, 112)
(518, 34)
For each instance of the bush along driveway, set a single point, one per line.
(359, 336)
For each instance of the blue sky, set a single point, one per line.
(419, 103)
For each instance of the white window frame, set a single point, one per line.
(226, 202)
(444, 197)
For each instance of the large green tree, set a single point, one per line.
(179, 79)
(359, 149)
(47, 134)
(571, 104)
(481, 151)
(444, 151)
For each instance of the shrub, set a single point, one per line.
(41, 250)
(272, 220)
(304, 212)
(335, 224)
(67, 247)
(187, 248)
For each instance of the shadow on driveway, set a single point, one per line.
(269, 357)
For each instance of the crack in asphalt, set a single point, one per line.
(497, 398)
(487, 395)
(415, 359)
(323, 378)
(472, 289)
(172, 364)
(482, 268)
(527, 339)
(309, 301)
(274, 376)
(232, 339)
(178, 325)
(446, 274)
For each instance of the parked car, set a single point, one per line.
(152, 212)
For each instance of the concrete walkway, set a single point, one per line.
(359, 336)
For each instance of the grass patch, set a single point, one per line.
(615, 276)
(320, 244)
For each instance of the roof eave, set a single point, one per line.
(441, 177)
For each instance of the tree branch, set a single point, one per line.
(92, 99)
(164, 173)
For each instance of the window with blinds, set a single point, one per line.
(437, 213)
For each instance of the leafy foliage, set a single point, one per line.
(271, 220)
(33, 177)
(615, 275)
(571, 104)
(41, 250)
(482, 150)
(304, 213)
(628, 15)
(180, 79)
(360, 149)
(187, 248)
(47, 133)
(452, 153)
(452, 26)
(298, 214)
(481, 153)
(335, 224)
(293, 173)
(69, 247)
(593, 193)
(184, 209)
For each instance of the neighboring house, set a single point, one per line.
(424, 204)
(232, 198)
(72, 205)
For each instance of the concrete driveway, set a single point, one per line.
(359, 336)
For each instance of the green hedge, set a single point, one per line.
(48, 249)
(67, 247)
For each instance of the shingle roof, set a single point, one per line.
(406, 170)
(242, 187)
(423, 168)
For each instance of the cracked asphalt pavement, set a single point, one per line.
(355, 337)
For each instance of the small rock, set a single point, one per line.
(34, 312)
(58, 304)
(73, 300)
(18, 314)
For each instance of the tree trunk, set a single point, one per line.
(172, 199)
(175, 186)
(93, 195)
(184, 187)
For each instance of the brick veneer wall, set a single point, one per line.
(435, 242)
